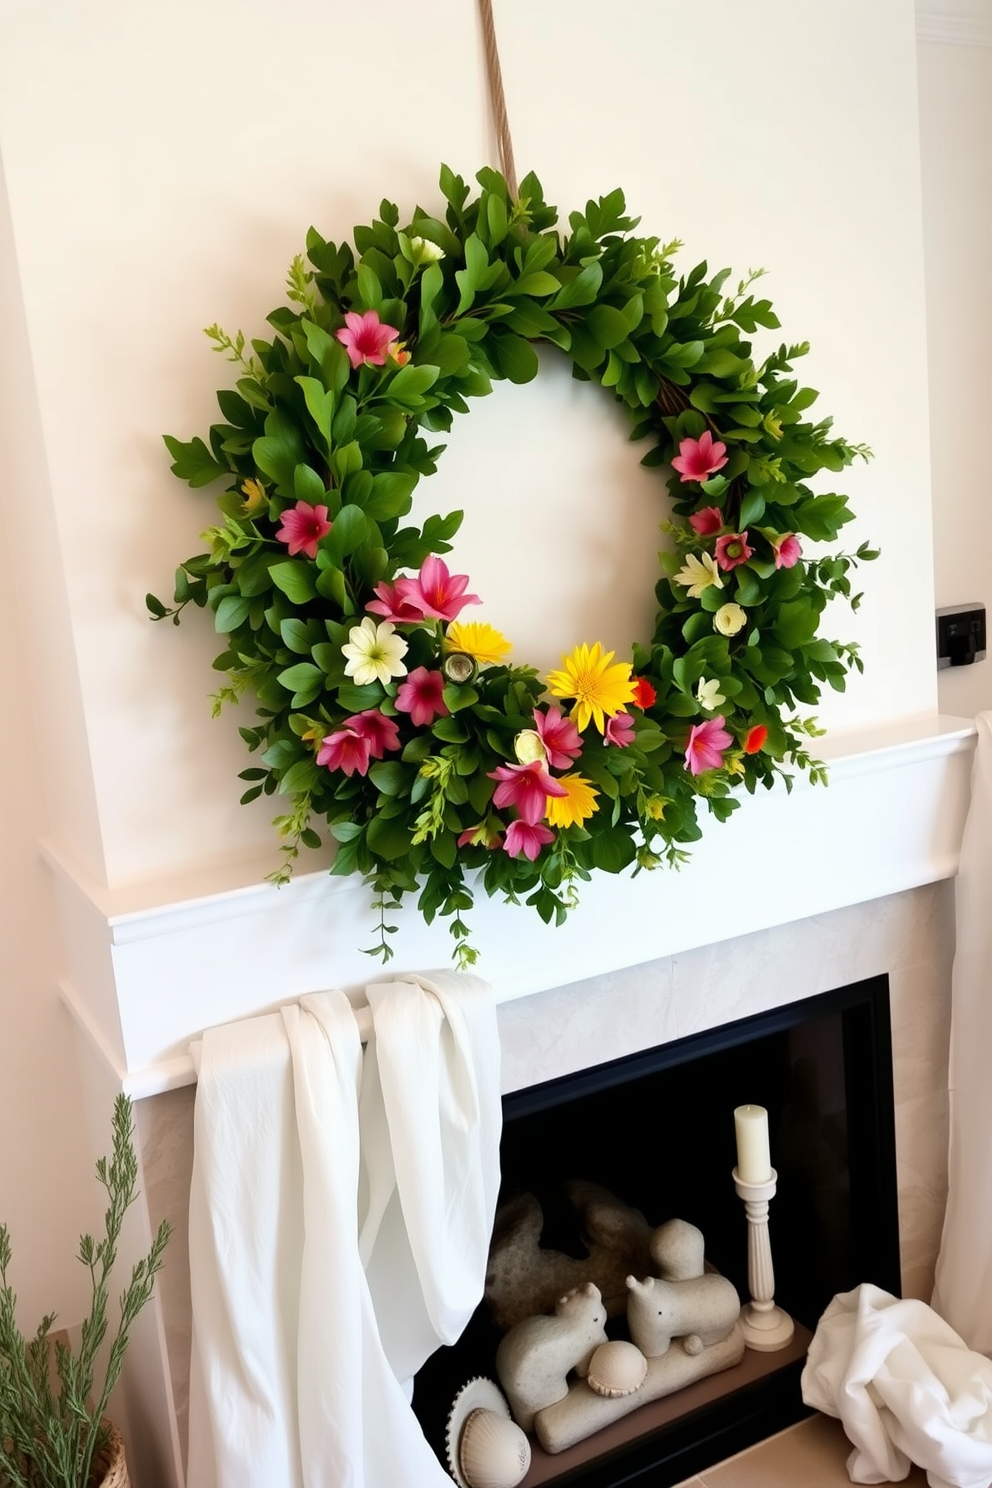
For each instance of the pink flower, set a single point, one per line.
(302, 528)
(619, 730)
(527, 787)
(561, 739)
(438, 594)
(379, 732)
(360, 739)
(732, 550)
(527, 838)
(345, 750)
(705, 745)
(698, 458)
(788, 550)
(707, 521)
(394, 602)
(644, 693)
(365, 338)
(420, 696)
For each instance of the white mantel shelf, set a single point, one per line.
(150, 966)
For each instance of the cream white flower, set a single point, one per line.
(375, 652)
(729, 619)
(708, 694)
(425, 252)
(698, 574)
(528, 746)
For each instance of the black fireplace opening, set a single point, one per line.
(657, 1130)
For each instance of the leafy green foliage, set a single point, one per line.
(51, 1428)
(469, 294)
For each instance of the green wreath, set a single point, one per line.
(409, 728)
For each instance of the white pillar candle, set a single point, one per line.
(754, 1164)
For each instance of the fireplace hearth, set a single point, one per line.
(656, 1129)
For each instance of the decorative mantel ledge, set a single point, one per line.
(150, 966)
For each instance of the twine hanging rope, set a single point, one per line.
(497, 100)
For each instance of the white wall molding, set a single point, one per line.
(142, 983)
(949, 25)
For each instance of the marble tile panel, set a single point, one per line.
(569, 1028)
(920, 1000)
(921, 1174)
(164, 1125)
(732, 979)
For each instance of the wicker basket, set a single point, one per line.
(110, 1467)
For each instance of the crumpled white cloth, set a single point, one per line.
(963, 1291)
(302, 1354)
(906, 1389)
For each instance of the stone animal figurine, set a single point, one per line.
(536, 1356)
(523, 1279)
(700, 1311)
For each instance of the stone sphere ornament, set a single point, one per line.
(617, 1368)
(385, 706)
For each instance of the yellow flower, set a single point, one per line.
(572, 810)
(479, 640)
(255, 497)
(597, 687)
(698, 574)
(656, 807)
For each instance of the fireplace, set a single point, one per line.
(656, 1129)
(743, 930)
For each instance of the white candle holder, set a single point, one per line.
(766, 1327)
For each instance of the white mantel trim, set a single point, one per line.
(148, 971)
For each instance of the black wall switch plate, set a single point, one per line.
(960, 635)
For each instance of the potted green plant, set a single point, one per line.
(53, 1433)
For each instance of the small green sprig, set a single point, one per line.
(51, 1430)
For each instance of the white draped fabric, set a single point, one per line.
(340, 1214)
(963, 1292)
(906, 1389)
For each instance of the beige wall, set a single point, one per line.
(163, 162)
(956, 144)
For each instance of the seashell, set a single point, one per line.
(493, 1452)
(617, 1368)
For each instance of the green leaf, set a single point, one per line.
(320, 406)
(612, 851)
(582, 290)
(608, 325)
(193, 462)
(752, 509)
(391, 492)
(389, 778)
(470, 278)
(303, 677)
(308, 486)
(348, 531)
(296, 580)
(515, 358)
(796, 624)
(538, 283)
(295, 636)
(346, 831)
(388, 838)
(410, 383)
(231, 612)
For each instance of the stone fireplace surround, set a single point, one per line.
(797, 895)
